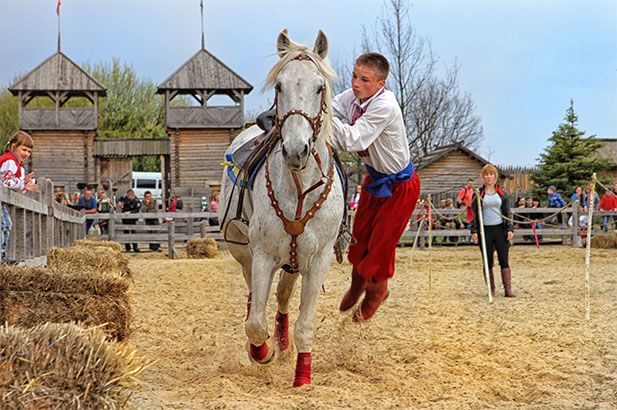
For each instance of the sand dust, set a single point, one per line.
(443, 348)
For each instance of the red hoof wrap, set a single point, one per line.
(303, 369)
(281, 331)
(259, 353)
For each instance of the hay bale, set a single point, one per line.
(604, 241)
(98, 243)
(84, 259)
(201, 248)
(65, 366)
(30, 296)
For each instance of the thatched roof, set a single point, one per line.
(57, 73)
(204, 71)
(608, 149)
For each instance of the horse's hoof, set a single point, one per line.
(261, 354)
(281, 332)
(301, 381)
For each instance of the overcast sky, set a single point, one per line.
(521, 60)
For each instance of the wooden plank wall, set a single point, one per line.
(119, 171)
(449, 173)
(64, 156)
(196, 156)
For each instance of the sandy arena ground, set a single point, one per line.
(441, 348)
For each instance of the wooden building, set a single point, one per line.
(609, 151)
(447, 168)
(199, 134)
(63, 137)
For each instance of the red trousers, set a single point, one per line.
(378, 226)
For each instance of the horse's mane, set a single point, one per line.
(323, 65)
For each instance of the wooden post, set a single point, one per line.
(203, 228)
(564, 216)
(19, 234)
(49, 241)
(111, 226)
(171, 225)
(577, 241)
(189, 227)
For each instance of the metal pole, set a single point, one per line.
(483, 246)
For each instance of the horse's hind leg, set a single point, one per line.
(243, 255)
(283, 295)
(256, 327)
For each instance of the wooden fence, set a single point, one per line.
(39, 223)
(165, 228)
(552, 230)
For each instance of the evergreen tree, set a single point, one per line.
(569, 161)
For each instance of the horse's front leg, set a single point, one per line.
(304, 328)
(256, 327)
(284, 291)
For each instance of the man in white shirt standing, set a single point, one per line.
(368, 120)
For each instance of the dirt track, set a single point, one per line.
(444, 348)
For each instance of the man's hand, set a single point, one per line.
(31, 186)
(510, 235)
(474, 238)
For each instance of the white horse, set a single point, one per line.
(296, 205)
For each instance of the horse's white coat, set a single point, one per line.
(298, 83)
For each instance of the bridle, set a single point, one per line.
(296, 226)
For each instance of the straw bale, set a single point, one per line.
(201, 248)
(604, 241)
(99, 243)
(30, 296)
(87, 258)
(64, 366)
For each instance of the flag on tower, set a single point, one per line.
(58, 7)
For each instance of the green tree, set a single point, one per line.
(569, 161)
(9, 115)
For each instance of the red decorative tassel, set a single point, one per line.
(303, 369)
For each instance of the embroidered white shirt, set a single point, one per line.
(8, 173)
(380, 130)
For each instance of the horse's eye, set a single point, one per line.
(321, 89)
(277, 87)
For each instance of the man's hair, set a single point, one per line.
(552, 188)
(470, 180)
(376, 62)
(489, 169)
(129, 191)
(147, 192)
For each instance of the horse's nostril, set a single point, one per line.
(306, 150)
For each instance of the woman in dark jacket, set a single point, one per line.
(498, 229)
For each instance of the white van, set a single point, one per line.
(147, 181)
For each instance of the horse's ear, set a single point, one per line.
(321, 44)
(282, 43)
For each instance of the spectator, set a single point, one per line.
(529, 201)
(129, 204)
(535, 203)
(465, 196)
(214, 207)
(150, 206)
(14, 177)
(498, 229)
(355, 198)
(587, 196)
(555, 201)
(608, 203)
(578, 194)
(105, 207)
(522, 217)
(87, 204)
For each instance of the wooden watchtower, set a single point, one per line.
(63, 137)
(200, 134)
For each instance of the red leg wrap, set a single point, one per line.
(281, 331)
(259, 353)
(303, 369)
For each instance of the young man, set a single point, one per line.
(368, 120)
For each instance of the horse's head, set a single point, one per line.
(302, 80)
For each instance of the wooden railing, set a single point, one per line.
(553, 230)
(39, 222)
(170, 228)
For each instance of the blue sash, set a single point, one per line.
(381, 184)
